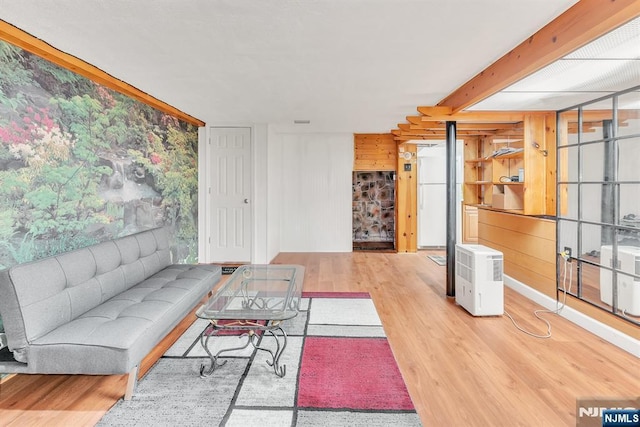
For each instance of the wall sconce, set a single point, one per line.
(537, 147)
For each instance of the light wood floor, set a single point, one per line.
(460, 370)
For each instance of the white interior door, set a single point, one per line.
(230, 193)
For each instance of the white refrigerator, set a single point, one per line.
(432, 195)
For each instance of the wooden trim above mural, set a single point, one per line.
(17, 37)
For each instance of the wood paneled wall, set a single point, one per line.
(379, 152)
(407, 201)
(528, 245)
(540, 163)
(374, 152)
(551, 127)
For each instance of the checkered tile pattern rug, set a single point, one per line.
(340, 371)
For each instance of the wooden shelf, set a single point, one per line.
(478, 160)
(483, 170)
(517, 155)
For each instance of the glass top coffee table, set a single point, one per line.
(255, 299)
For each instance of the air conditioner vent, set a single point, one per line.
(495, 267)
(465, 259)
(464, 266)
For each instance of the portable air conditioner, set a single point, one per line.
(628, 286)
(479, 281)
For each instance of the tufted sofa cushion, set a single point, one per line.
(99, 309)
(113, 336)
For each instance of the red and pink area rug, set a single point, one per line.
(350, 373)
(340, 371)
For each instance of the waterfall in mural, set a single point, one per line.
(80, 164)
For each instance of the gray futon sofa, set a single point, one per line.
(98, 310)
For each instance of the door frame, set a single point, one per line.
(205, 168)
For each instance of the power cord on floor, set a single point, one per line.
(567, 261)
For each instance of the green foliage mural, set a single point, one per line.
(80, 163)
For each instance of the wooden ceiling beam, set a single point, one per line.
(513, 133)
(416, 132)
(580, 24)
(472, 126)
(493, 117)
(435, 111)
(434, 134)
(573, 128)
(599, 115)
(417, 138)
(414, 120)
(458, 133)
(437, 137)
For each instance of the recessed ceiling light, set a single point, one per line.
(302, 122)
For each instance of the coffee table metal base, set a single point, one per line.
(272, 328)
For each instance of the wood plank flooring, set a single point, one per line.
(459, 370)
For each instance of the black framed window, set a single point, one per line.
(598, 203)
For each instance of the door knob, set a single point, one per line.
(246, 200)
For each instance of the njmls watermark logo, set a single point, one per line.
(608, 412)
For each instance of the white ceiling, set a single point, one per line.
(604, 66)
(346, 65)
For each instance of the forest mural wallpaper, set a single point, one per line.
(81, 163)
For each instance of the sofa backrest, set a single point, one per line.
(39, 296)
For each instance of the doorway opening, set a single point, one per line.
(373, 205)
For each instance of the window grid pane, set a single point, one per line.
(599, 202)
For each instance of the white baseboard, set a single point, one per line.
(594, 326)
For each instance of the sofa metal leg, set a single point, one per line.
(131, 383)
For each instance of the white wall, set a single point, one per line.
(259, 157)
(202, 174)
(274, 193)
(301, 192)
(315, 210)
